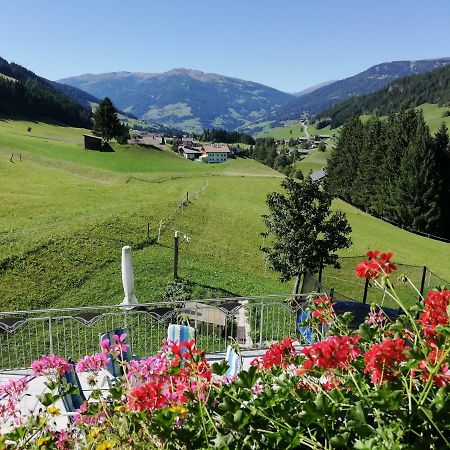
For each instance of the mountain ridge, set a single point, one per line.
(407, 92)
(184, 98)
(365, 82)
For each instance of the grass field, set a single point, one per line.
(292, 129)
(66, 213)
(314, 161)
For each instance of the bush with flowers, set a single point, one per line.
(385, 385)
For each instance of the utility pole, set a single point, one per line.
(175, 255)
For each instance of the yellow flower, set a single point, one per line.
(42, 441)
(120, 408)
(53, 410)
(94, 432)
(105, 445)
(180, 410)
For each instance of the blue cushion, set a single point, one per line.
(234, 361)
(180, 333)
(72, 402)
(305, 332)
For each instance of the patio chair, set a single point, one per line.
(234, 361)
(72, 401)
(181, 333)
(306, 333)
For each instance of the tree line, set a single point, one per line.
(227, 137)
(395, 169)
(279, 158)
(431, 87)
(27, 95)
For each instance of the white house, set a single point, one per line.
(215, 153)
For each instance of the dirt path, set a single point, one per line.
(305, 129)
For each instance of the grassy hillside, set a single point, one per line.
(66, 213)
(291, 129)
(314, 161)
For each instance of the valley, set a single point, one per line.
(68, 211)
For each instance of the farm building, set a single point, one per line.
(149, 139)
(215, 153)
(187, 141)
(190, 153)
(93, 142)
(318, 175)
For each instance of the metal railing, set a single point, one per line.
(253, 322)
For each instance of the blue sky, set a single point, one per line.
(287, 44)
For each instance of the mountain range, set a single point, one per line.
(408, 92)
(366, 82)
(192, 100)
(183, 98)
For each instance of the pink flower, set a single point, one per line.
(257, 388)
(104, 345)
(50, 365)
(14, 388)
(376, 318)
(93, 363)
(146, 369)
(120, 346)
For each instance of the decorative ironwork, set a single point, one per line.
(254, 322)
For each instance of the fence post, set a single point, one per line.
(331, 293)
(175, 255)
(422, 283)
(320, 271)
(50, 333)
(187, 197)
(159, 231)
(148, 230)
(366, 287)
(261, 325)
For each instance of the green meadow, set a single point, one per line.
(66, 213)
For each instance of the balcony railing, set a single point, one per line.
(253, 322)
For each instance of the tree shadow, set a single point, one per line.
(106, 148)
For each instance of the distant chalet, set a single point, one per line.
(92, 142)
(149, 139)
(214, 153)
(318, 175)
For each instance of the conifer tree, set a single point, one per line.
(367, 190)
(106, 122)
(442, 151)
(344, 161)
(418, 199)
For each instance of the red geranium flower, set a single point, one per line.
(278, 354)
(382, 360)
(435, 312)
(375, 266)
(323, 309)
(336, 351)
(442, 377)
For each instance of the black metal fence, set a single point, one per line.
(347, 286)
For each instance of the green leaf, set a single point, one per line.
(219, 368)
(340, 440)
(247, 379)
(357, 413)
(47, 398)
